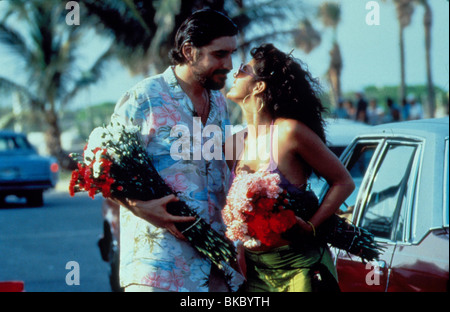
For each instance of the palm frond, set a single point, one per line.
(8, 87)
(15, 41)
(137, 15)
(330, 13)
(90, 76)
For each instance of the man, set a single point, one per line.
(154, 254)
(361, 107)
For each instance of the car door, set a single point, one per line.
(420, 262)
(382, 170)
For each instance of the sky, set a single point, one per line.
(370, 52)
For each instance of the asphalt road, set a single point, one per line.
(53, 248)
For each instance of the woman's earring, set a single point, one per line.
(244, 104)
(262, 105)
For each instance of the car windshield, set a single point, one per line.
(10, 143)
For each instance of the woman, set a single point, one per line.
(273, 89)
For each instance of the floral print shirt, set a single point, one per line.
(150, 255)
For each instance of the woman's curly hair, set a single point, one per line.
(291, 92)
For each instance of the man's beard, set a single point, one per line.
(207, 81)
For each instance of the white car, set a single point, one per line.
(402, 197)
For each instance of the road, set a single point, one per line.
(36, 244)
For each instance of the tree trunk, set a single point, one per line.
(53, 138)
(402, 93)
(427, 21)
(334, 73)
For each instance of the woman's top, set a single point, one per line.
(273, 168)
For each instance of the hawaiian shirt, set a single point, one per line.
(180, 148)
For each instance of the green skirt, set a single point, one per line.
(291, 269)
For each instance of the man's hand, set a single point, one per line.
(155, 212)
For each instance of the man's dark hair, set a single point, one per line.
(200, 29)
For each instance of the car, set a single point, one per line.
(402, 198)
(23, 172)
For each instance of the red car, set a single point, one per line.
(402, 175)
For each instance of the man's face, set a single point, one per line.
(213, 62)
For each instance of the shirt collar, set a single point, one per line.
(172, 82)
(178, 93)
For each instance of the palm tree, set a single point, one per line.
(330, 14)
(143, 31)
(405, 10)
(427, 23)
(306, 37)
(48, 50)
(271, 20)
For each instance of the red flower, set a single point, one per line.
(259, 227)
(265, 204)
(282, 221)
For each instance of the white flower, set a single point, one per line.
(115, 132)
(251, 242)
(97, 164)
(97, 138)
(132, 129)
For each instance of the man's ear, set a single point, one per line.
(259, 87)
(188, 52)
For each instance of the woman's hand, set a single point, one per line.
(305, 227)
(155, 212)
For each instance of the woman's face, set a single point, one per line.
(243, 83)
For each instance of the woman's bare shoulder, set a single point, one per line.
(288, 127)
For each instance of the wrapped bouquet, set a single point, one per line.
(259, 212)
(115, 164)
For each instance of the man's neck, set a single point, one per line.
(194, 90)
(187, 82)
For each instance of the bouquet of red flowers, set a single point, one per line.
(259, 212)
(115, 164)
(253, 213)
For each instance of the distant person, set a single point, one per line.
(394, 111)
(405, 109)
(374, 113)
(361, 107)
(340, 111)
(415, 109)
(350, 108)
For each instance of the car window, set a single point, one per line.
(21, 142)
(6, 144)
(9, 143)
(357, 166)
(382, 212)
(316, 184)
(337, 150)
